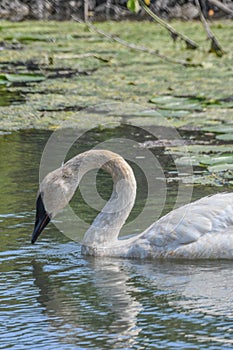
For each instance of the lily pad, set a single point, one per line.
(219, 129)
(225, 137)
(204, 160)
(163, 100)
(220, 167)
(147, 113)
(24, 78)
(173, 114)
(20, 78)
(216, 160)
(194, 160)
(3, 79)
(213, 179)
(220, 104)
(182, 106)
(176, 103)
(199, 149)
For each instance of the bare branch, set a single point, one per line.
(174, 34)
(139, 48)
(86, 10)
(215, 46)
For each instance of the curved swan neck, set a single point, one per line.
(106, 226)
(113, 163)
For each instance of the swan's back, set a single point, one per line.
(202, 229)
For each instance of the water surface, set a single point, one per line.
(53, 297)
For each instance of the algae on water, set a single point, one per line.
(52, 74)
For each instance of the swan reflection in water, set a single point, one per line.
(102, 304)
(202, 229)
(121, 303)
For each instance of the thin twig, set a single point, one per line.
(174, 34)
(139, 48)
(215, 46)
(107, 7)
(83, 55)
(86, 6)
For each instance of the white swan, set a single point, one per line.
(202, 229)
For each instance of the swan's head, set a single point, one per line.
(54, 194)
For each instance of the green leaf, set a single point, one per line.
(220, 167)
(193, 160)
(3, 79)
(219, 129)
(133, 5)
(199, 149)
(176, 103)
(217, 160)
(225, 137)
(149, 113)
(173, 114)
(24, 78)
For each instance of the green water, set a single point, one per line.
(53, 297)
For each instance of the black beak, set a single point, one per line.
(42, 219)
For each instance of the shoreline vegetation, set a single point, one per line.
(101, 10)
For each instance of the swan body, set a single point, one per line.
(199, 230)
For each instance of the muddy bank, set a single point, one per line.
(18, 10)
